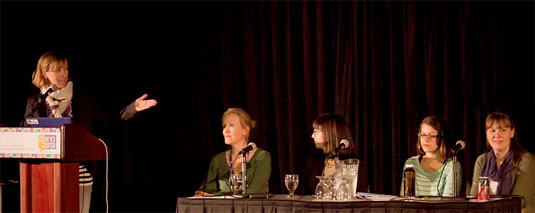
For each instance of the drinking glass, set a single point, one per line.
(342, 192)
(235, 180)
(291, 181)
(322, 189)
(351, 173)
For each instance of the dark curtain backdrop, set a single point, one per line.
(383, 65)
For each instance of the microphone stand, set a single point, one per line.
(454, 174)
(243, 173)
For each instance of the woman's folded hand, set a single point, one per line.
(203, 194)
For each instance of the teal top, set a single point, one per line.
(523, 179)
(426, 182)
(258, 173)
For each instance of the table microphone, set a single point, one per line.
(344, 144)
(250, 146)
(458, 147)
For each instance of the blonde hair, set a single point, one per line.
(49, 61)
(245, 119)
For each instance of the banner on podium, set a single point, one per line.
(33, 142)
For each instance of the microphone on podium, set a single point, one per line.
(42, 97)
(39, 99)
(251, 146)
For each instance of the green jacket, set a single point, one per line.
(258, 173)
(523, 179)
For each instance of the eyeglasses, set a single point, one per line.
(430, 135)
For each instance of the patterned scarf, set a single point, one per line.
(502, 175)
(59, 102)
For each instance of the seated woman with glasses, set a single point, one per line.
(434, 176)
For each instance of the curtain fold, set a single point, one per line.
(384, 66)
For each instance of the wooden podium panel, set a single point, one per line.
(50, 182)
(49, 187)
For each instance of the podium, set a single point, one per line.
(50, 159)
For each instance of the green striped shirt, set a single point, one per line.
(426, 182)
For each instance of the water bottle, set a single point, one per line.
(409, 181)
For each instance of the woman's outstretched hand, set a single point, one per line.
(142, 104)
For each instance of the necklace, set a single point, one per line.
(231, 163)
(328, 163)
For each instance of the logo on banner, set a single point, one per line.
(46, 142)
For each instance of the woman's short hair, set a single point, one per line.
(49, 61)
(443, 131)
(503, 120)
(245, 119)
(334, 128)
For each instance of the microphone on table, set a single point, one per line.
(458, 147)
(344, 144)
(251, 146)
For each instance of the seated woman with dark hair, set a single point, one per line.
(329, 130)
(434, 171)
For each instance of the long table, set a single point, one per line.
(280, 203)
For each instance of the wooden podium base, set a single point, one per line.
(49, 187)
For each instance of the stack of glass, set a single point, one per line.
(341, 186)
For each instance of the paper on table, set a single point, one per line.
(212, 197)
(376, 197)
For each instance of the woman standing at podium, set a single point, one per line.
(509, 167)
(52, 75)
(237, 126)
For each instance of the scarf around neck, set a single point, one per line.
(59, 100)
(502, 175)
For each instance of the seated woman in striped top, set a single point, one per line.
(434, 176)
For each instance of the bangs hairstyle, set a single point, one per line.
(48, 62)
(334, 128)
(442, 128)
(245, 119)
(504, 121)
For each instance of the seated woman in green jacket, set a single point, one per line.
(509, 167)
(237, 125)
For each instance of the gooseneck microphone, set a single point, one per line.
(244, 151)
(43, 96)
(344, 144)
(458, 147)
(40, 98)
(251, 146)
